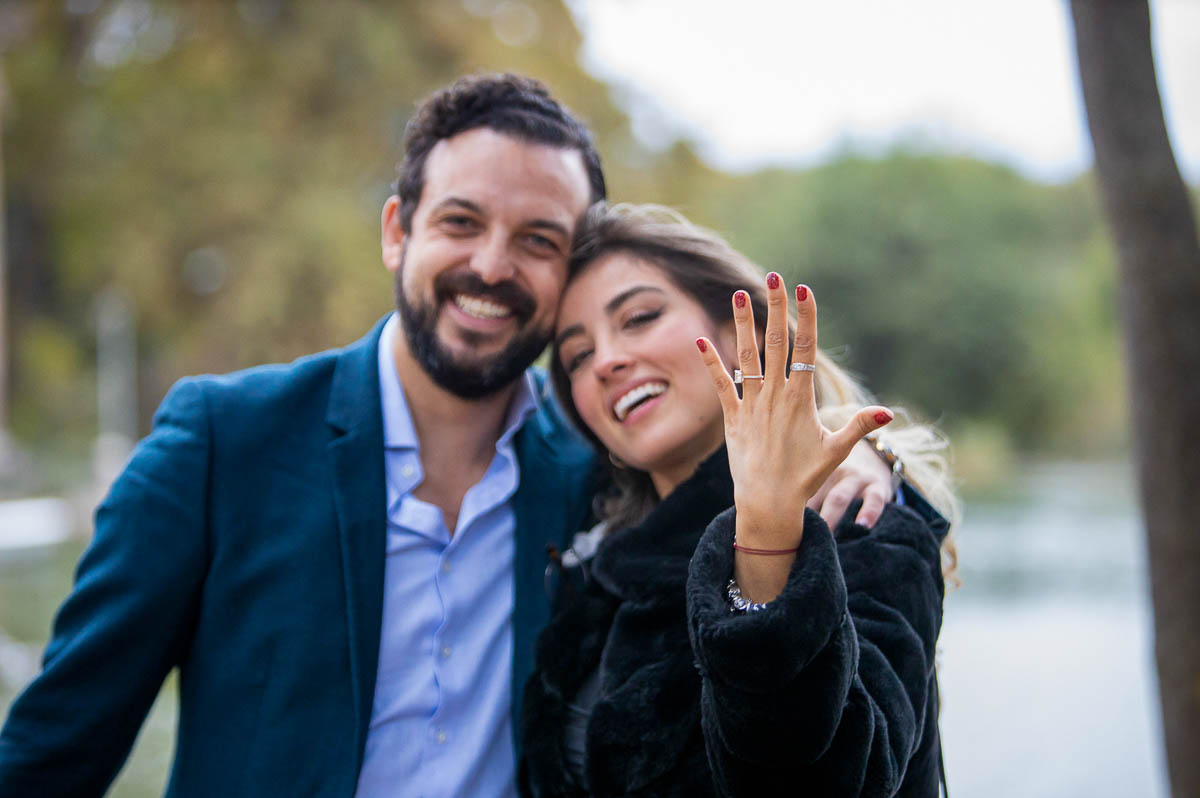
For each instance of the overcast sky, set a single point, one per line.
(790, 81)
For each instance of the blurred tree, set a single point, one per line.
(1155, 230)
(223, 164)
(954, 285)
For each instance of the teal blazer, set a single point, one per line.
(244, 545)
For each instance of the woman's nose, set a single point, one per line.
(610, 361)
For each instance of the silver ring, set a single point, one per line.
(739, 377)
(804, 367)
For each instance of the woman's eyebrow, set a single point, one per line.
(573, 330)
(628, 293)
(609, 308)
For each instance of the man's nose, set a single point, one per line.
(492, 261)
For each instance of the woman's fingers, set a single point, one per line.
(747, 343)
(864, 422)
(776, 336)
(720, 377)
(804, 348)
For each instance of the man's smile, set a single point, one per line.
(481, 308)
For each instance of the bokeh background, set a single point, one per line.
(192, 186)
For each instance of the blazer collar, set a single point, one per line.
(360, 497)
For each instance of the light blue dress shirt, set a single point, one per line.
(441, 717)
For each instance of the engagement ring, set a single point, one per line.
(739, 377)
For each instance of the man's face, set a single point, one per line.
(479, 276)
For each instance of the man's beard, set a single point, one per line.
(470, 378)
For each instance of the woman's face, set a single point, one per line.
(627, 340)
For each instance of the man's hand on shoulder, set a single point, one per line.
(861, 475)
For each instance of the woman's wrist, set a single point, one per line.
(761, 579)
(780, 530)
(777, 529)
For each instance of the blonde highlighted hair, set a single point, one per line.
(704, 266)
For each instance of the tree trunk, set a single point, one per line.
(1159, 254)
(7, 457)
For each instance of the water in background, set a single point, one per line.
(1046, 664)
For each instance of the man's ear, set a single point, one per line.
(392, 236)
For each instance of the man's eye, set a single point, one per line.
(458, 222)
(541, 242)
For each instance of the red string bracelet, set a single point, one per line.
(750, 550)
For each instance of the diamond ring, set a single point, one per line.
(739, 377)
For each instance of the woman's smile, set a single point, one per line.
(634, 401)
(626, 338)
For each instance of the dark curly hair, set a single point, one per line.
(512, 104)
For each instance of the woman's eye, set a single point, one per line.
(642, 317)
(575, 361)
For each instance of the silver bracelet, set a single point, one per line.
(738, 602)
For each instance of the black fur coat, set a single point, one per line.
(829, 691)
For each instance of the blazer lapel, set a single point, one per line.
(360, 496)
(550, 505)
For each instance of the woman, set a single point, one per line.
(715, 639)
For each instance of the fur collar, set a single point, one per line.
(649, 562)
(630, 614)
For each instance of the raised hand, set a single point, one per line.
(780, 454)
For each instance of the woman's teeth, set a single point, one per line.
(480, 308)
(627, 402)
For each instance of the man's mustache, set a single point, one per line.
(507, 293)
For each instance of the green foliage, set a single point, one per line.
(958, 288)
(224, 164)
(58, 389)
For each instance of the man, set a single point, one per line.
(344, 556)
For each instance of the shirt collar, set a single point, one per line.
(398, 429)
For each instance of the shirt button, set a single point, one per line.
(407, 470)
(445, 567)
(445, 651)
(441, 738)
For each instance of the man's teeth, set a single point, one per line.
(644, 391)
(480, 308)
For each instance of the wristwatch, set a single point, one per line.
(889, 456)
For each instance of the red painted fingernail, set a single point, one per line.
(801, 293)
(703, 347)
(740, 298)
(772, 281)
(882, 417)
